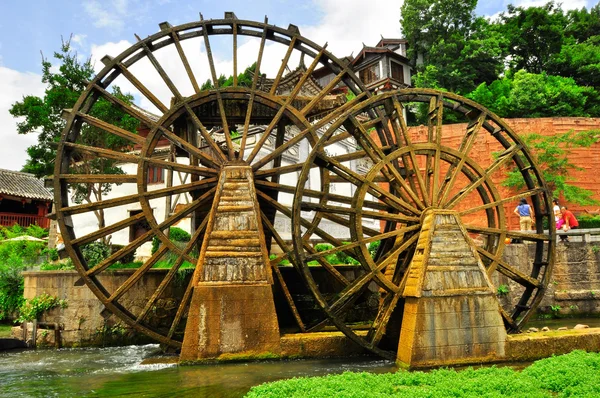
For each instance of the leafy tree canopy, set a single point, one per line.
(42, 115)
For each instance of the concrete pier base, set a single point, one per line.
(451, 313)
(232, 318)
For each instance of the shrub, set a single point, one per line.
(94, 253)
(589, 221)
(11, 287)
(373, 247)
(17, 230)
(175, 235)
(128, 258)
(32, 309)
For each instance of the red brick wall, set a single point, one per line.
(588, 159)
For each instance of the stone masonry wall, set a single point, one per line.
(574, 287)
(81, 322)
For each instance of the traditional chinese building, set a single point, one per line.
(23, 200)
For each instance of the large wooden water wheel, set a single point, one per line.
(404, 176)
(349, 168)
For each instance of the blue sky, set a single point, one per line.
(107, 26)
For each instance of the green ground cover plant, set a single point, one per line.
(5, 331)
(33, 308)
(570, 375)
(15, 256)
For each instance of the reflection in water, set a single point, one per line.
(117, 371)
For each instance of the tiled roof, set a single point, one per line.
(23, 185)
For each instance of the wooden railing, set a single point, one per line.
(24, 220)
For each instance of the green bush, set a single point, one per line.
(94, 253)
(17, 230)
(128, 258)
(176, 234)
(589, 221)
(373, 247)
(51, 253)
(62, 266)
(14, 257)
(11, 287)
(32, 309)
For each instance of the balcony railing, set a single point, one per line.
(24, 220)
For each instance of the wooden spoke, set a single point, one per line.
(142, 88)
(205, 134)
(511, 199)
(509, 234)
(403, 132)
(437, 130)
(326, 90)
(123, 200)
(109, 128)
(106, 231)
(373, 189)
(509, 271)
(359, 242)
(378, 327)
(292, 96)
(158, 67)
(125, 107)
(466, 144)
(213, 74)
(308, 206)
(254, 83)
(501, 160)
(173, 270)
(100, 152)
(135, 277)
(191, 149)
(98, 178)
(183, 58)
(283, 66)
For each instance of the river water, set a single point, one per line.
(118, 371)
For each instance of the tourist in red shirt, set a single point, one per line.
(570, 222)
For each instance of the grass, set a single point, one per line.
(5, 331)
(570, 375)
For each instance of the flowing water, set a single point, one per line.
(118, 371)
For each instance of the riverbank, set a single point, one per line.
(573, 374)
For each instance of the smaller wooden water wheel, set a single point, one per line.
(380, 191)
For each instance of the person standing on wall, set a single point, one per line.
(523, 210)
(570, 222)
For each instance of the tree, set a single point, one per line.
(42, 115)
(244, 79)
(534, 35)
(458, 51)
(581, 24)
(581, 61)
(552, 154)
(536, 95)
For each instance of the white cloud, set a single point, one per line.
(108, 14)
(15, 85)
(78, 39)
(346, 24)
